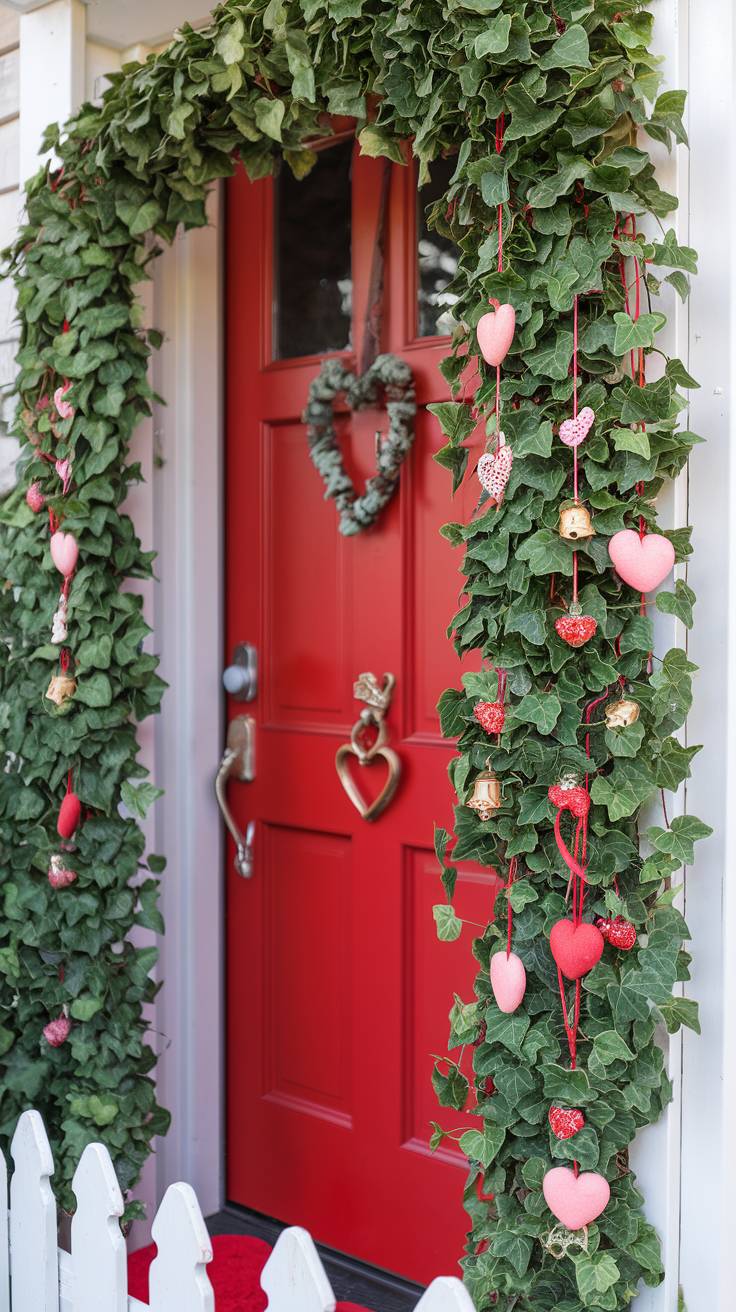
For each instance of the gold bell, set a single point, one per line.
(61, 688)
(486, 794)
(619, 715)
(575, 521)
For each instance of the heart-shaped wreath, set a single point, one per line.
(388, 375)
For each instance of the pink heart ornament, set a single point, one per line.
(508, 981)
(643, 563)
(64, 409)
(495, 332)
(575, 431)
(576, 1200)
(494, 470)
(64, 552)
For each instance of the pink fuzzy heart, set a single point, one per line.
(64, 552)
(494, 471)
(495, 333)
(575, 1200)
(575, 431)
(643, 563)
(57, 1031)
(508, 981)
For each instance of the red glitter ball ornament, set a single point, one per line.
(490, 716)
(57, 1031)
(576, 630)
(573, 798)
(565, 1122)
(35, 498)
(619, 932)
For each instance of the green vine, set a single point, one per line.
(578, 87)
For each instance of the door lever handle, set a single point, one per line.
(238, 762)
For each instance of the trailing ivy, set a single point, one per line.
(579, 91)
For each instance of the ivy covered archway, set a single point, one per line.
(576, 89)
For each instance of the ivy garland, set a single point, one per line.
(579, 90)
(392, 376)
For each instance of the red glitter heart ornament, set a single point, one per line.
(565, 1122)
(574, 799)
(490, 716)
(576, 948)
(619, 932)
(575, 630)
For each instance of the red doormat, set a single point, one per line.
(235, 1273)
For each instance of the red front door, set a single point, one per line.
(337, 990)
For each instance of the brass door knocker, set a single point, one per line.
(377, 699)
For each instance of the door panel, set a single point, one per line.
(338, 992)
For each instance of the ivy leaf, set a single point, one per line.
(455, 419)
(678, 841)
(679, 1011)
(633, 333)
(139, 797)
(672, 764)
(483, 1147)
(608, 1047)
(546, 553)
(448, 926)
(269, 116)
(542, 709)
(513, 1248)
(675, 256)
(570, 50)
(679, 603)
(624, 790)
(595, 1273)
(494, 38)
(451, 1089)
(229, 44)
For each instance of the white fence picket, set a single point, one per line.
(34, 1266)
(99, 1259)
(446, 1294)
(294, 1278)
(4, 1238)
(178, 1280)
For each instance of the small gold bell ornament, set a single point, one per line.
(61, 688)
(486, 796)
(621, 714)
(575, 521)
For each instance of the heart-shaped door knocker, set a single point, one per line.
(390, 376)
(378, 700)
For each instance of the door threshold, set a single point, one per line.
(352, 1281)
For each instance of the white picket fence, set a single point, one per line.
(37, 1276)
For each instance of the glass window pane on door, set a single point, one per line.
(312, 257)
(436, 257)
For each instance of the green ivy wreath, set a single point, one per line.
(579, 90)
(387, 374)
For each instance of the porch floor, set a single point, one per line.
(352, 1281)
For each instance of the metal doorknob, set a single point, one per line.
(238, 762)
(240, 679)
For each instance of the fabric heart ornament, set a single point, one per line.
(574, 799)
(64, 552)
(643, 563)
(64, 408)
(576, 1200)
(574, 431)
(576, 948)
(619, 932)
(508, 981)
(490, 716)
(565, 1122)
(494, 470)
(575, 630)
(495, 332)
(69, 813)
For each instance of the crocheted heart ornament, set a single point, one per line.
(565, 1122)
(508, 981)
(576, 948)
(494, 470)
(490, 716)
(575, 431)
(619, 932)
(575, 1200)
(575, 630)
(643, 563)
(495, 333)
(574, 799)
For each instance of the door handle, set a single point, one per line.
(238, 762)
